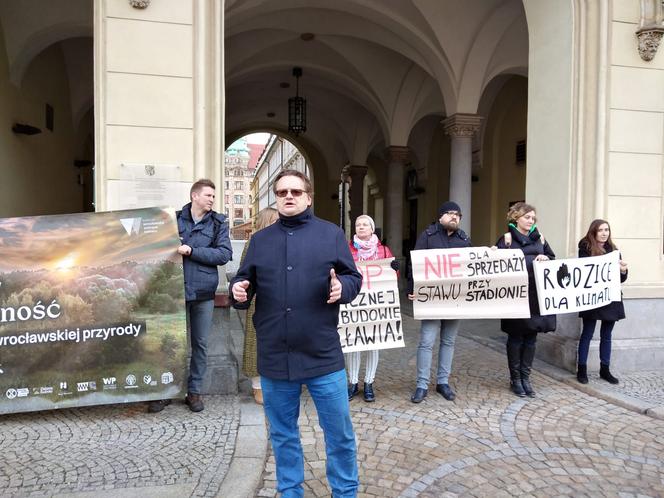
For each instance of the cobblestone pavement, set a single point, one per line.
(647, 386)
(118, 447)
(488, 442)
(644, 388)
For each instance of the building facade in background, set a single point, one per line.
(279, 154)
(115, 104)
(240, 162)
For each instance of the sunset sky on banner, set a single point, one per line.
(63, 241)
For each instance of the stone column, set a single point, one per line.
(162, 105)
(158, 107)
(394, 227)
(357, 174)
(461, 128)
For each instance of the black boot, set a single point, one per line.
(513, 363)
(352, 391)
(369, 396)
(605, 374)
(582, 374)
(527, 357)
(419, 395)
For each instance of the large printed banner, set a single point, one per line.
(472, 282)
(91, 310)
(569, 285)
(373, 319)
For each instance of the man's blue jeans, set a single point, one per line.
(448, 330)
(282, 406)
(199, 320)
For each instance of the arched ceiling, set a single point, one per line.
(31, 26)
(373, 69)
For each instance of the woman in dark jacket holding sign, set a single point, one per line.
(522, 332)
(597, 242)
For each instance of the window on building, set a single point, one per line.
(239, 213)
(227, 185)
(239, 199)
(520, 153)
(239, 185)
(237, 172)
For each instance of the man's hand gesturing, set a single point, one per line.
(240, 291)
(335, 288)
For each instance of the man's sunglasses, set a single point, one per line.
(295, 192)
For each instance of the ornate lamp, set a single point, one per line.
(297, 107)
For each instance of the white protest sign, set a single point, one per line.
(373, 319)
(568, 285)
(470, 282)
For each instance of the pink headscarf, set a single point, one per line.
(366, 249)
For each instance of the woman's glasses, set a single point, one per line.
(295, 192)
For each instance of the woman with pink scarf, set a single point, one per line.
(365, 246)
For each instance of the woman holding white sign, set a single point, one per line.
(597, 242)
(522, 332)
(365, 246)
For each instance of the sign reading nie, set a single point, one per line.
(471, 282)
(373, 319)
(91, 310)
(569, 285)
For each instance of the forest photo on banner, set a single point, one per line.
(91, 310)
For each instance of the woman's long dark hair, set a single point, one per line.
(594, 247)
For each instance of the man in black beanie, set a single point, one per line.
(444, 234)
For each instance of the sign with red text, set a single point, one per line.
(470, 282)
(373, 319)
(570, 285)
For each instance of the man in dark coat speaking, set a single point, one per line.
(299, 270)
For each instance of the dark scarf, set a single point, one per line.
(299, 219)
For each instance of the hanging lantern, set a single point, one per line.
(297, 107)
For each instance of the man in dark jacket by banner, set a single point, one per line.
(205, 245)
(444, 234)
(299, 270)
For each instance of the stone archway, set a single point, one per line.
(46, 81)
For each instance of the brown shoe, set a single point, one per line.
(195, 402)
(258, 396)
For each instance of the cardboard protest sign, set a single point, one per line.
(373, 319)
(471, 282)
(91, 310)
(569, 285)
